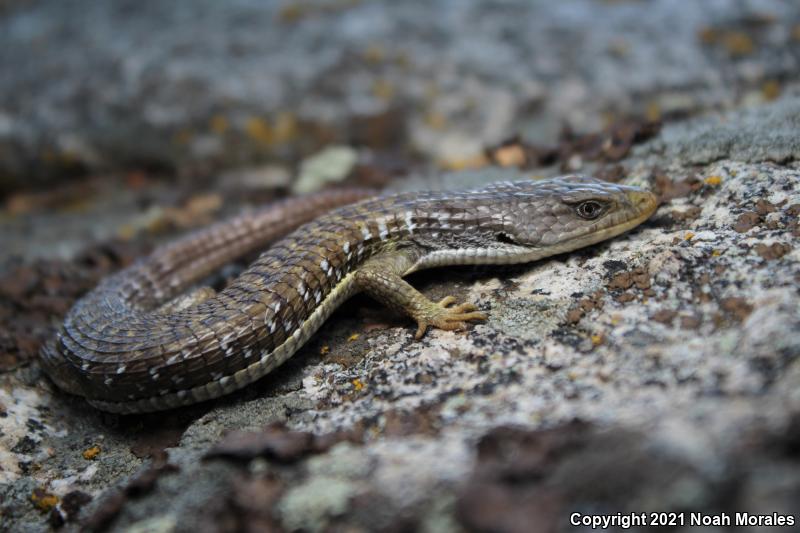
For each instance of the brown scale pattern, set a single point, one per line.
(124, 352)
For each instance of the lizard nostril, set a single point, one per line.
(641, 198)
(646, 202)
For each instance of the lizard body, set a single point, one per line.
(134, 345)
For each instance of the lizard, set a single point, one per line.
(140, 342)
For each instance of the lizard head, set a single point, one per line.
(517, 222)
(564, 214)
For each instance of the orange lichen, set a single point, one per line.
(653, 112)
(219, 124)
(258, 129)
(738, 43)
(770, 90)
(43, 500)
(91, 453)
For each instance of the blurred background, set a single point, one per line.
(234, 96)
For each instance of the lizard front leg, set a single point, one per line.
(380, 277)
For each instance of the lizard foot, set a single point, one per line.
(441, 315)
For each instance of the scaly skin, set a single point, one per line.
(131, 345)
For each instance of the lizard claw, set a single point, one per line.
(441, 315)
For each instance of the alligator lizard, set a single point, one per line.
(136, 344)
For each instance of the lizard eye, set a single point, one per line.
(589, 209)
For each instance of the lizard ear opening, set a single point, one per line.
(505, 238)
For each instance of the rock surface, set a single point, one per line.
(657, 372)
